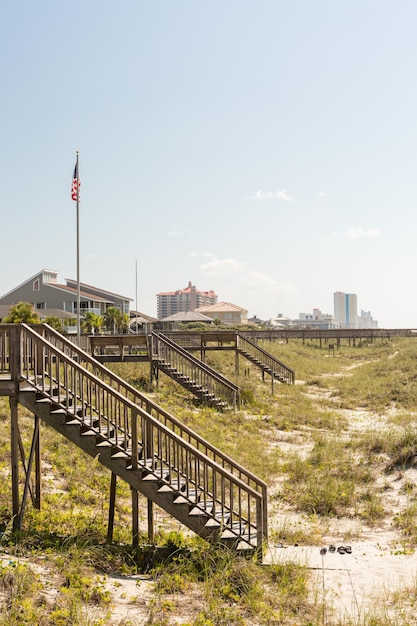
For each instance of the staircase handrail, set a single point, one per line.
(196, 361)
(151, 407)
(183, 339)
(275, 365)
(52, 368)
(222, 385)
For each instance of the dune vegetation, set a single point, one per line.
(338, 450)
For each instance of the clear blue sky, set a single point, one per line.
(263, 149)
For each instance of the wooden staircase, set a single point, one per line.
(133, 437)
(264, 360)
(204, 382)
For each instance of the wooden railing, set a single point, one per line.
(185, 340)
(204, 341)
(5, 348)
(132, 343)
(275, 366)
(55, 366)
(334, 334)
(163, 349)
(158, 412)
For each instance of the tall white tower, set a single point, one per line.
(346, 309)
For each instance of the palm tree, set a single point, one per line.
(54, 322)
(91, 322)
(115, 320)
(22, 312)
(98, 323)
(123, 324)
(111, 318)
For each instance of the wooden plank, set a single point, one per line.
(117, 340)
(7, 387)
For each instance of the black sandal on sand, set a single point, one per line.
(348, 550)
(341, 550)
(332, 548)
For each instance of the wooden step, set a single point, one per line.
(165, 486)
(58, 412)
(72, 421)
(165, 489)
(119, 454)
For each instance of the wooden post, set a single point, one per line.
(28, 472)
(150, 352)
(151, 531)
(15, 369)
(112, 502)
(39, 356)
(14, 444)
(135, 443)
(260, 532)
(135, 518)
(38, 467)
(23, 460)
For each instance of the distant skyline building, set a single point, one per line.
(365, 320)
(183, 300)
(346, 309)
(317, 319)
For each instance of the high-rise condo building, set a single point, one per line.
(346, 309)
(188, 299)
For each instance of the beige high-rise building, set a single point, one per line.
(188, 299)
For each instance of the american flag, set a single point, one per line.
(75, 185)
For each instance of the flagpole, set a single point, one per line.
(78, 254)
(137, 296)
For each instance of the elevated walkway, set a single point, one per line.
(133, 437)
(242, 344)
(193, 374)
(169, 357)
(266, 362)
(172, 353)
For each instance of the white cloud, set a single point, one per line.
(246, 279)
(196, 254)
(258, 282)
(272, 195)
(357, 232)
(320, 194)
(179, 233)
(216, 267)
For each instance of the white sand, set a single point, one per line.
(351, 583)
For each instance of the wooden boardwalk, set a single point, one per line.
(137, 440)
(136, 347)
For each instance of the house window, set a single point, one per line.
(36, 285)
(40, 305)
